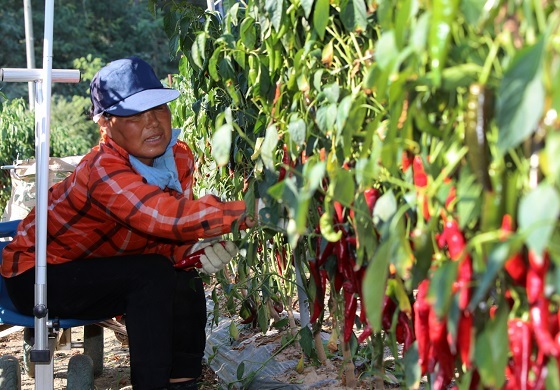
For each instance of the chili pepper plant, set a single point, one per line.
(406, 154)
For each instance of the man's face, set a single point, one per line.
(145, 135)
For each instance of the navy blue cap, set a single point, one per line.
(127, 87)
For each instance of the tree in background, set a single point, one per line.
(87, 35)
(105, 29)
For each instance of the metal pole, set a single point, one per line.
(19, 75)
(29, 46)
(42, 143)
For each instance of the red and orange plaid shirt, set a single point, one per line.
(105, 208)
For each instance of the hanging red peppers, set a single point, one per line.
(521, 345)
(421, 326)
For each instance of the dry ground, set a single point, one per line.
(116, 372)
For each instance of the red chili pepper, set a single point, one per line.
(319, 302)
(538, 266)
(464, 282)
(420, 181)
(538, 262)
(511, 383)
(387, 313)
(534, 285)
(249, 309)
(442, 381)
(341, 255)
(453, 238)
(286, 162)
(539, 313)
(193, 260)
(406, 160)
(507, 227)
(441, 350)
(281, 260)
(368, 331)
(538, 371)
(516, 268)
(420, 177)
(329, 249)
(350, 307)
(371, 195)
(404, 332)
(475, 380)
(464, 338)
(339, 210)
(338, 281)
(363, 314)
(422, 326)
(521, 345)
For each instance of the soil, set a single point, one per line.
(116, 370)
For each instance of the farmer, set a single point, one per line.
(117, 225)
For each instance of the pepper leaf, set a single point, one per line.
(248, 32)
(269, 146)
(492, 350)
(521, 98)
(385, 207)
(538, 212)
(354, 15)
(297, 130)
(307, 7)
(496, 259)
(441, 286)
(221, 144)
(240, 370)
(275, 12)
(321, 17)
(343, 187)
(374, 284)
(413, 375)
(552, 378)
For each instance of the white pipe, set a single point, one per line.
(42, 143)
(23, 75)
(29, 48)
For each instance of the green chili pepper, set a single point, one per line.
(478, 114)
(443, 15)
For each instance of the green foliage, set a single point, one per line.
(104, 29)
(17, 126)
(70, 135)
(364, 89)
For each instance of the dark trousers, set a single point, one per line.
(164, 308)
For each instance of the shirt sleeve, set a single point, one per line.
(123, 195)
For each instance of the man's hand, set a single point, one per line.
(211, 256)
(216, 256)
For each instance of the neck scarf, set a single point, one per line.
(163, 172)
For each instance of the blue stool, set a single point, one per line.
(93, 334)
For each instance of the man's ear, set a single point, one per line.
(104, 125)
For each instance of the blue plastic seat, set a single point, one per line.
(8, 313)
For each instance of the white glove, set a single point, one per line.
(217, 255)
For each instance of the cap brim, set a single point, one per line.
(143, 101)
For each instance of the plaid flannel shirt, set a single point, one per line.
(105, 208)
